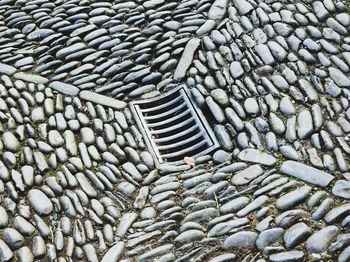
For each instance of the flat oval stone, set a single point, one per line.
(224, 258)
(269, 237)
(344, 255)
(186, 58)
(114, 253)
(341, 189)
(321, 240)
(55, 138)
(5, 252)
(337, 213)
(296, 234)
(236, 69)
(10, 142)
(306, 173)
(64, 88)
(218, 9)
(304, 124)
(245, 176)
(293, 198)
(251, 106)
(189, 236)
(290, 217)
(243, 6)
(13, 238)
(4, 219)
(102, 100)
(234, 205)
(257, 156)
(339, 77)
(245, 239)
(293, 255)
(31, 78)
(40, 202)
(7, 69)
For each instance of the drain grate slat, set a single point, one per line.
(184, 151)
(173, 127)
(180, 143)
(176, 136)
(169, 120)
(167, 104)
(166, 113)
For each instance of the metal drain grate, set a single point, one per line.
(173, 127)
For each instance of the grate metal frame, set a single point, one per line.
(196, 115)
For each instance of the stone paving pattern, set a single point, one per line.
(76, 180)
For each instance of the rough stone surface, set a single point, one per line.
(306, 173)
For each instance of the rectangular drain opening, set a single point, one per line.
(173, 127)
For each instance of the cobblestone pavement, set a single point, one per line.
(77, 179)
